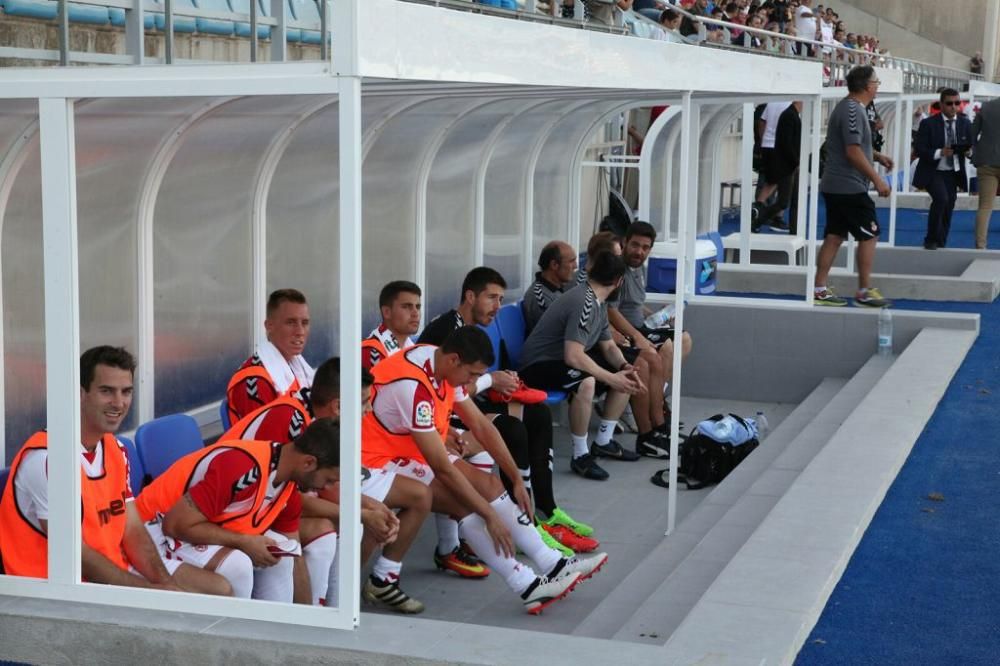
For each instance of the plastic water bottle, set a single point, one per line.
(762, 426)
(660, 318)
(885, 332)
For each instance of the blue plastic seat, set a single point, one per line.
(307, 11)
(117, 15)
(214, 26)
(493, 331)
(224, 416)
(243, 29)
(162, 441)
(136, 471)
(49, 9)
(181, 23)
(510, 320)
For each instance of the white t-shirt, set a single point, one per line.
(826, 32)
(31, 486)
(406, 406)
(772, 112)
(805, 27)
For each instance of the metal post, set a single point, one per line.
(253, 31)
(692, 223)
(279, 33)
(324, 28)
(168, 31)
(746, 183)
(686, 216)
(135, 32)
(897, 158)
(351, 127)
(813, 195)
(808, 162)
(907, 133)
(62, 336)
(63, 33)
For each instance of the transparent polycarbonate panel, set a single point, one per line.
(451, 205)
(202, 247)
(554, 177)
(303, 223)
(505, 201)
(391, 173)
(661, 192)
(714, 121)
(117, 140)
(23, 302)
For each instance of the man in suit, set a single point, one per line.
(942, 142)
(986, 157)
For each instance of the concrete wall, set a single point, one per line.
(944, 33)
(753, 352)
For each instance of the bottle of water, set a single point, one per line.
(762, 426)
(885, 332)
(660, 318)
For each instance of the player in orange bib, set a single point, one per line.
(235, 507)
(414, 393)
(283, 420)
(277, 367)
(116, 548)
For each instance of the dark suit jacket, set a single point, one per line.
(986, 135)
(787, 143)
(930, 137)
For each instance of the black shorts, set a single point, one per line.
(557, 376)
(852, 214)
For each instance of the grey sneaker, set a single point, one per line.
(828, 298)
(387, 593)
(872, 298)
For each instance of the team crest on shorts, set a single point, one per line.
(419, 471)
(423, 414)
(201, 548)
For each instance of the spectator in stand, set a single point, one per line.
(790, 46)
(690, 27)
(844, 185)
(976, 64)
(806, 26)
(986, 157)
(670, 21)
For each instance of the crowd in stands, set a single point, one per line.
(255, 514)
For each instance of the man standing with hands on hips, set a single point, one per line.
(942, 141)
(849, 209)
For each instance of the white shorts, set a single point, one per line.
(174, 552)
(415, 469)
(376, 483)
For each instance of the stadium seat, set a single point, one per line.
(243, 29)
(49, 9)
(493, 331)
(510, 320)
(136, 472)
(162, 441)
(117, 15)
(307, 11)
(181, 23)
(224, 416)
(214, 26)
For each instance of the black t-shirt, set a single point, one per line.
(437, 331)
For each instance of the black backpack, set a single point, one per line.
(705, 461)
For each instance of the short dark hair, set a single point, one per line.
(392, 290)
(858, 78)
(606, 268)
(279, 296)
(116, 357)
(603, 241)
(479, 278)
(668, 15)
(551, 252)
(326, 382)
(471, 344)
(640, 228)
(949, 92)
(321, 439)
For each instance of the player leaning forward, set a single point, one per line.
(414, 393)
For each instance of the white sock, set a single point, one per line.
(525, 535)
(605, 432)
(332, 591)
(388, 570)
(274, 583)
(819, 290)
(580, 447)
(482, 460)
(237, 568)
(517, 576)
(319, 556)
(447, 533)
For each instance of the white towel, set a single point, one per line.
(284, 373)
(388, 340)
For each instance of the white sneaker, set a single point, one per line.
(627, 420)
(546, 591)
(578, 564)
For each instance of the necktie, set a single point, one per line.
(949, 139)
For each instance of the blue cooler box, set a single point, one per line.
(661, 272)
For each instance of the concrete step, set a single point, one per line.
(738, 516)
(607, 617)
